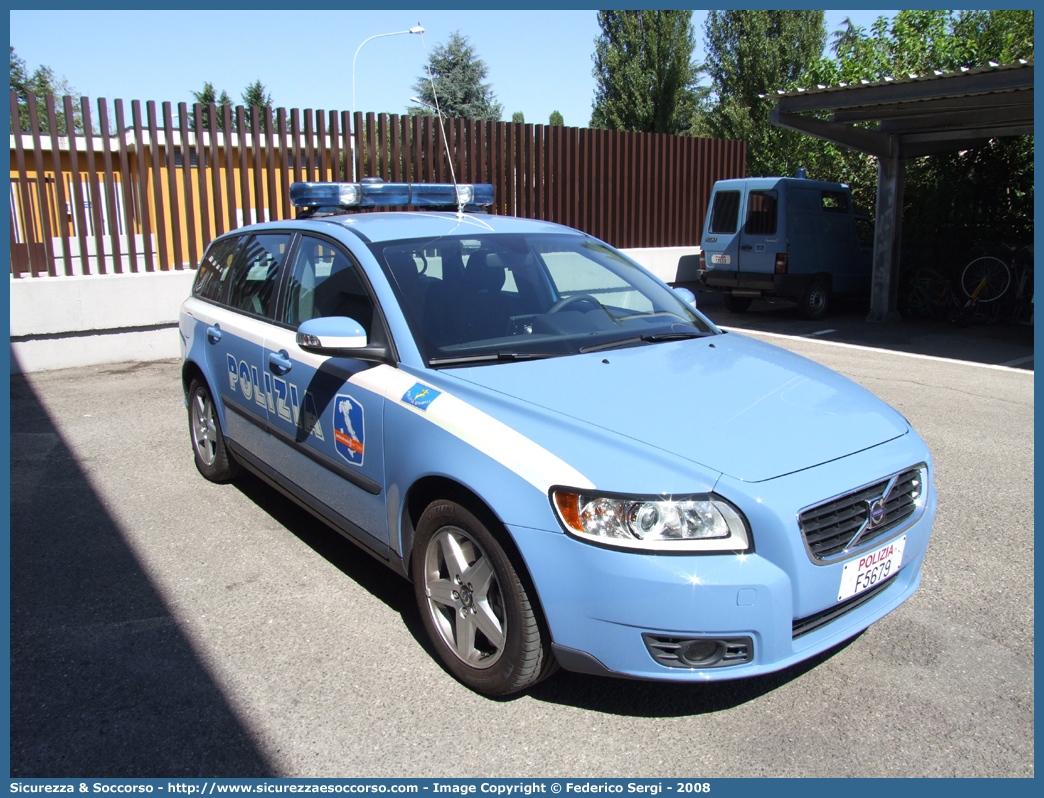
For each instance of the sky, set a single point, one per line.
(538, 61)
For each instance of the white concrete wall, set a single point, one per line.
(61, 322)
(64, 322)
(661, 261)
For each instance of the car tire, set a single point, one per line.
(474, 606)
(213, 460)
(816, 301)
(736, 304)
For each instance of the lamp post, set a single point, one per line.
(414, 29)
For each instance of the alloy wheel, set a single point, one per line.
(204, 427)
(464, 598)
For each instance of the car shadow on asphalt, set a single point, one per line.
(647, 699)
(993, 344)
(349, 558)
(103, 681)
(596, 693)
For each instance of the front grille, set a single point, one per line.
(839, 527)
(802, 626)
(671, 651)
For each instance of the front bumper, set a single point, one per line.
(600, 601)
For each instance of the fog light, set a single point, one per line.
(703, 652)
(699, 652)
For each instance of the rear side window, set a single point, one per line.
(835, 201)
(215, 268)
(254, 281)
(761, 213)
(725, 212)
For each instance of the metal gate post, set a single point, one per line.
(884, 290)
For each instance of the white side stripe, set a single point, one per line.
(280, 338)
(246, 327)
(535, 464)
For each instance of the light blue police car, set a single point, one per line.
(573, 466)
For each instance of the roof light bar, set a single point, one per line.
(325, 194)
(378, 193)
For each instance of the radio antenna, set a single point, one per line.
(442, 125)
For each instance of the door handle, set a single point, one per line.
(746, 246)
(214, 334)
(280, 362)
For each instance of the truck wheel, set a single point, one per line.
(736, 304)
(816, 301)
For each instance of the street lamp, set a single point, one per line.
(414, 29)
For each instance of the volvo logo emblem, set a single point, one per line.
(875, 511)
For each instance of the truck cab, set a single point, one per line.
(785, 237)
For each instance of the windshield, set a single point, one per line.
(489, 298)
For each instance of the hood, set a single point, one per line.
(729, 403)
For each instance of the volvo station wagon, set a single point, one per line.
(571, 464)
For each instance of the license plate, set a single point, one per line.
(873, 567)
(720, 259)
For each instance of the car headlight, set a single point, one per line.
(686, 524)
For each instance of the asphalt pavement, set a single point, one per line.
(996, 344)
(165, 626)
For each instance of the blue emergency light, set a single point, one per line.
(375, 192)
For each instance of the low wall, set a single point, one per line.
(670, 264)
(64, 322)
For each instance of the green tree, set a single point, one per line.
(917, 42)
(206, 97)
(952, 201)
(1001, 36)
(518, 118)
(556, 119)
(256, 96)
(458, 75)
(644, 73)
(845, 35)
(749, 55)
(40, 83)
(19, 77)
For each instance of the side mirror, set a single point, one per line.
(339, 336)
(686, 295)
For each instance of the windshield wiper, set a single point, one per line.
(492, 357)
(649, 338)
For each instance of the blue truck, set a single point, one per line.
(785, 237)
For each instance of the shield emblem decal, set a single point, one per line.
(349, 430)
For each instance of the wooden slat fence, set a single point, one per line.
(150, 195)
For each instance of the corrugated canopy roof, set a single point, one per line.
(916, 114)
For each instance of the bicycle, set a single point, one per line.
(1022, 297)
(929, 294)
(987, 280)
